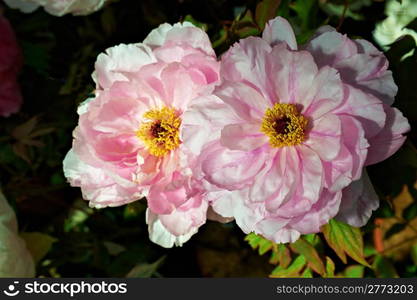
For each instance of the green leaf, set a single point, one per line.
(338, 9)
(369, 250)
(385, 210)
(306, 12)
(303, 247)
(113, 248)
(280, 255)
(384, 268)
(145, 270)
(345, 239)
(307, 273)
(256, 241)
(220, 38)
(38, 244)
(293, 270)
(355, 271)
(330, 267)
(266, 10)
(189, 18)
(245, 26)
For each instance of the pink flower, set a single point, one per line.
(128, 142)
(58, 7)
(292, 129)
(10, 64)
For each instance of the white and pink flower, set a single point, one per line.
(291, 130)
(128, 142)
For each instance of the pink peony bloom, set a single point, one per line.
(128, 142)
(283, 147)
(10, 64)
(58, 7)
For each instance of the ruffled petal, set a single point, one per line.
(179, 34)
(111, 65)
(390, 138)
(358, 201)
(279, 30)
(161, 236)
(330, 47)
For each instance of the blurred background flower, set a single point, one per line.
(399, 14)
(10, 65)
(58, 7)
(15, 259)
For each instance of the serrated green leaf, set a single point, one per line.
(293, 270)
(256, 241)
(355, 271)
(345, 239)
(303, 247)
(38, 244)
(266, 10)
(384, 268)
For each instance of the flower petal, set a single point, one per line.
(245, 137)
(279, 30)
(358, 201)
(390, 138)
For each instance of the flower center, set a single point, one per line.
(161, 133)
(284, 125)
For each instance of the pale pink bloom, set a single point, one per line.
(58, 7)
(291, 129)
(115, 157)
(10, 64)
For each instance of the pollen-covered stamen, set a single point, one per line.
(284, 125)
(161, 133)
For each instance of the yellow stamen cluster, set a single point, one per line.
(284, 125)
(161, 133)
